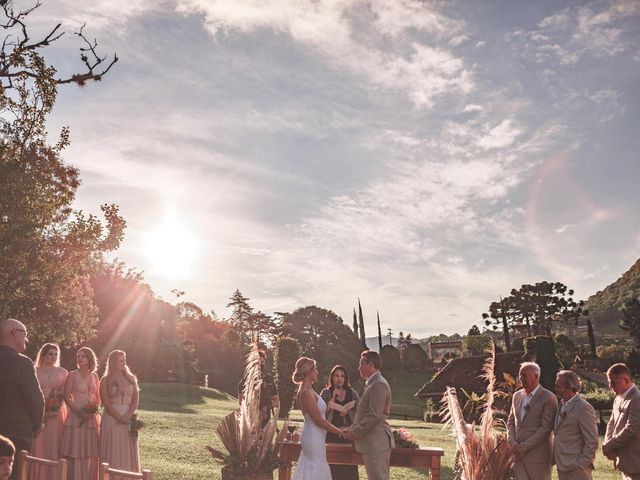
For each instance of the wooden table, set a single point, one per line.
(343, 453)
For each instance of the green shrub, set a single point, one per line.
(390, 358)
(286, 353)
(415, 359)
(544, 350)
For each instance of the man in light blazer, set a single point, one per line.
(622, 440)
(575, 433)
(370, 432)
(530, 423)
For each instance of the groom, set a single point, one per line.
(370, 432)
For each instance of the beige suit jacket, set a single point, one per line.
(623, 432)
(575, 436)
(533, 432)
(370, 428)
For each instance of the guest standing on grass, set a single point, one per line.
(530, 423)
(622, 440)
(21, 400)
(575, 433)
(118, 432)
(341, 401)
(52, 377)
(81, 392)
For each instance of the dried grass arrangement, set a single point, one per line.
(249, 449)
(482, 450)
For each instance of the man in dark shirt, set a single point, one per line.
(21, 400)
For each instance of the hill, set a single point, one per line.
(604, 305)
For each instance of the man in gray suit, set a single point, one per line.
(21, 400)
(370, 432)
(575, 433)
(530, 423)
(622, 440)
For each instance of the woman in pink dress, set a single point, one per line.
(48, 443)
(118, 432)
(81, 392)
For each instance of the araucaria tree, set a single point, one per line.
(532, 310)
(47, 249)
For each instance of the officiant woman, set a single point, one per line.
(342, 401)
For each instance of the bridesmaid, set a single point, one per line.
(119, 394)
(48, 443)
(81, 392)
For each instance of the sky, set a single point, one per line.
(424, 157)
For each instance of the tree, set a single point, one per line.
(242, 315)
(390, 358)
(48, 250)
(286, 353)
(566, 350)
(355, 323)
(379, 332)
(363, 337)
(592, 337)
(473, 331)
(323, 336)
(533, 309)
(475, 345)
(389, 332)
(631, 319)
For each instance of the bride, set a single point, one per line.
(312, 464)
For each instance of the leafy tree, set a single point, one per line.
(475, 345)
(323, 336)
(379, 332)
(286, 353)
(473, 331)
(613, 353)
(631, 319)
(48, 250)
(363, 337)
(498, 315)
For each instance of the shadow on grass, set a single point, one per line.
(177, 397)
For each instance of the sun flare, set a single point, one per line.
(171, 248)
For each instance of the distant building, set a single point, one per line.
(439, 351)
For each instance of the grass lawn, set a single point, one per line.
(179, 421)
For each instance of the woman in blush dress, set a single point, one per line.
(119, 394)
(48, 443)
(81, 392)
(342, 401)
(312, 464)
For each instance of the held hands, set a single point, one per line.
(346, 433)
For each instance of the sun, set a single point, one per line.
(171, 248)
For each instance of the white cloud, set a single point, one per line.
(424, 72)
(502, 135)
(472, 107)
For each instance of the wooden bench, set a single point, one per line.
(344, 454)
(26, 462)
(106, 472)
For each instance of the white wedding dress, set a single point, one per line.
(312, 464)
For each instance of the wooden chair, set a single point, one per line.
(106, 472)
(26, 461)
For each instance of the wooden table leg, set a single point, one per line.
(284, 471)
(435, 468)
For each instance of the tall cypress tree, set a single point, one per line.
(355, 323)
(362, 335)
(379, 331)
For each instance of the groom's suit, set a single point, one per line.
(373, 435)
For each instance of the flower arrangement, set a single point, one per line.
(404, 439)
(249, 450)
(89, 409)
(53, 403)
(135, 425)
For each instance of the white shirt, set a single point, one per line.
(526, 400)
(565, 404)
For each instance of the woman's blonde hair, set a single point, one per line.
(303, 366)
(43, 353)
(111, 366)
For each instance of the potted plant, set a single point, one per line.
(250, 450)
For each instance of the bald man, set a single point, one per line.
(21, 400)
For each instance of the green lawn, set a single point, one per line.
(179, 421)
